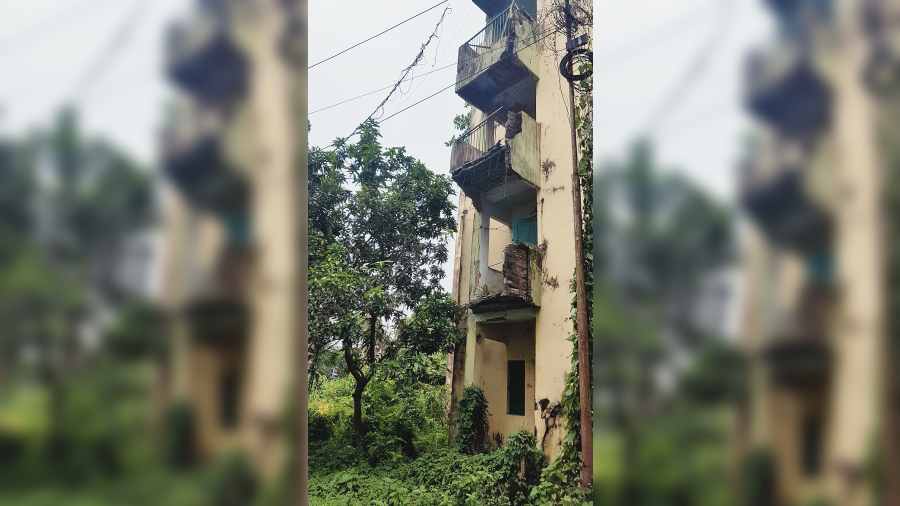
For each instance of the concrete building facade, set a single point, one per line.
(230, 279)
(813, 258)
(515, 250)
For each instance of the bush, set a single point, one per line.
(13, 448)
(759, 478)
(233, 481)
(472, 423)
(180, 436)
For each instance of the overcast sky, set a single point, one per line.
(642, 50)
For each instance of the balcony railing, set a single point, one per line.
(499, 57)
(521, 283)
(216, 300)
(798, 349)
(204, 58)
(475, 142)
(777, 191)
(497, 160)
(785, 88)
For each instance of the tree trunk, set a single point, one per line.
(358, 428)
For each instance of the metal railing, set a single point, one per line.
(484, 43)
(476, 141)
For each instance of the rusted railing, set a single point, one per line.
(474, 142)
(485, 42)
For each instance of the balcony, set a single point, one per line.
(194, 156)
(517, 287)
(202, 57)
(496, 161)
(799, 354)
(786, 90)
(216, 307)
(494, 7)
(498, 67)
(779, 198)
(882, 68)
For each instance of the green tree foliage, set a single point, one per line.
(139, 332)
(434, 326)
(378, 250)
(61, 235)
(461, 123)
(660, 237)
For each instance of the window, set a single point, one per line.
(229, 398)
(525, 230)
(820, 267)
(812, 445)
(515, 387)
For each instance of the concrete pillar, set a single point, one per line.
(274, 331)
(859, 337)
(484, 245)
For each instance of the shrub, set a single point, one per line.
(759, 478)
(180, 436)
(233, 481)
(12, 448)
(518, 465)
(472, 424)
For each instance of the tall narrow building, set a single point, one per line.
(813, 255)
(515, 251)
(228, 150)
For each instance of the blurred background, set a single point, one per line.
(124, 242)
(742, 327)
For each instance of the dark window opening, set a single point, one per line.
(229, 398)
(515, 387)
(812, 445)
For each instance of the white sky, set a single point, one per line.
(642, 48)
(651, 44)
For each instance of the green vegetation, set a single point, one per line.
(473, 421)
(405, 457)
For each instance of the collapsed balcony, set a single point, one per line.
(194, 157)
(786, 90)
(498, 67)
(517, 287)
(496, 161)
(780, 202)
(203, 57)
(216, 307)
(798, 353)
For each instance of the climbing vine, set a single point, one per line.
(888, 131)
(473, 421)
(559, 480)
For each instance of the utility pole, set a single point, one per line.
(584, 382)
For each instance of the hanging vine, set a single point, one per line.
(559, 480)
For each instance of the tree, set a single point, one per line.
(659, 237)
(61, 238)
(377, 250)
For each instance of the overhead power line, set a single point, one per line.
(376, 35)
(369, 93)
(117, 43)
(694, 71)
(49, 24)
(544, 36)
(407, 70)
